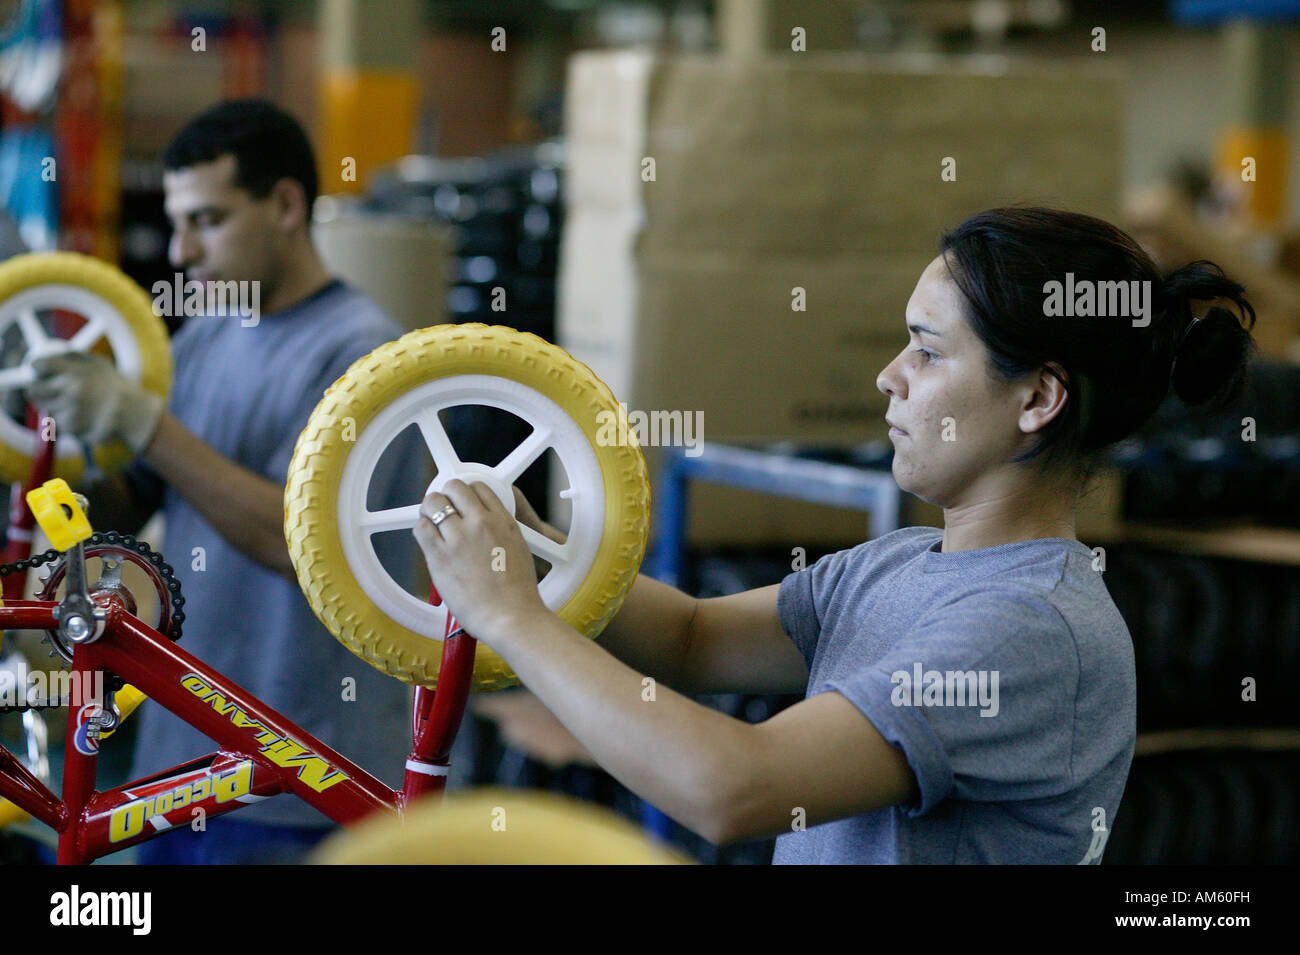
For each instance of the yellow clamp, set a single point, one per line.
(127, 699)
(63, 528)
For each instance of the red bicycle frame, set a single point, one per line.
(261, 753)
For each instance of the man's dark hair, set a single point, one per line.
(267, 143)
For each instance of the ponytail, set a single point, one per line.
(1210, 353)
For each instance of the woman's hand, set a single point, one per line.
(478, 560)
(525, 515)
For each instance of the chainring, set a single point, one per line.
(110, 544)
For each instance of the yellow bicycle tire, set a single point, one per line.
(497, 827)
(371, 384)
(135, 309)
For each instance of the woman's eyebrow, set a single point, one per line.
(922, 330)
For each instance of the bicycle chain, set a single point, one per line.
(113, 538)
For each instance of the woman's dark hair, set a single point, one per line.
(268, 145)
(1117, 373)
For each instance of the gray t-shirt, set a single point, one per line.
(1004, 674)
(248, 392)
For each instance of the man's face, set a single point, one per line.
(960, 424)
(220, 231)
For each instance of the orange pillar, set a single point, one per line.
(1253, 145)
(369, 89)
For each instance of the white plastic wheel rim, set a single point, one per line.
(97, 312)
(553, 429)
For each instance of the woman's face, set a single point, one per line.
(961, 427)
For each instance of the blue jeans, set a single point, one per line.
(230, 842)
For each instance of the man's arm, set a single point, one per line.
(88, 396)
(245, 508)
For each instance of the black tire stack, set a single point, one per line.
(1202, 628)
(1211, 807)
(1184, 466)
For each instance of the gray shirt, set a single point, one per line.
(248, 392)
(1004, 674)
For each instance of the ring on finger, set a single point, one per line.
(442, 514)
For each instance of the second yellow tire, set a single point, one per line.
(65, 279)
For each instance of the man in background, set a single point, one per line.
(240, 181)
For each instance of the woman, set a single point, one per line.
(969, 693)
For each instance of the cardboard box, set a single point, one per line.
(755, 368)
(831, 154)
(400, 263)
(819, 173)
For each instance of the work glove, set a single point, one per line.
(87, 395)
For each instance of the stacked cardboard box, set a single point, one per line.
(401, 263)
(708, 195)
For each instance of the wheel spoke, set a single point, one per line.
(87, 335)
(435, 436)
(32, 331)
(19, 376)
(393, 519)
(545, 548)
(518, 460)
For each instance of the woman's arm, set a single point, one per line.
(817, 761)
(726, 779)
(733, 644)
(723, 778)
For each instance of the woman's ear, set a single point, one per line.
(1047, 399)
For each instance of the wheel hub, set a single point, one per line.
(469, 472)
